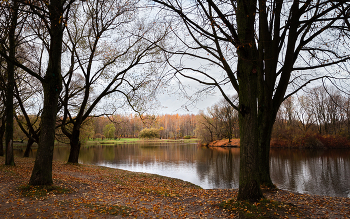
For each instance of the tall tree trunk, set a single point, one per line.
(74, 146)
(2, 132)
(266, 122)
(247, 74)
(9, 160)
(52, 86)
(249, 185)
(29, 147)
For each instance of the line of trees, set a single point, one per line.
(129, 126)
(124, 126)
(322, 111)
(82, 52)
(64, 61)
(218, 122)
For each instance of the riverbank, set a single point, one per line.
(298, 142)
(225, 143)
(112, 142)
(87, 191)
(137, 140)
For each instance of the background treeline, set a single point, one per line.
(318, 118)
(129, 126)
(126, 126)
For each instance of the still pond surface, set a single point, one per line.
(320, 172)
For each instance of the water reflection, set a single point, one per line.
(322, 172)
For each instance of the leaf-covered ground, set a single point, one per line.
(86, 191)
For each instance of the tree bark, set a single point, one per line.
(74, 146)
(265, 131)
(29, 147)
(52, 86)
(249, 185)
(247, 74)
(2, 132)
(9, 158)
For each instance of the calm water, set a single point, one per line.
(321, 172)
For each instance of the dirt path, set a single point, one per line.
(98, 192)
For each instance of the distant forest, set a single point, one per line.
(321, 112)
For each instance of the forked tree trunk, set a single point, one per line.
(74, 146)
(29, 147)
(52, 86)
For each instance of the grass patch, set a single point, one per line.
(41, 191)
(136, 140)
(109, 209)
(263, 209)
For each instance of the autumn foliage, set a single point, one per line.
(319, 118)
(312, 140)
(87, 191)
(149, 133)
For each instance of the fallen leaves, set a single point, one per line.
(41, 191)
(84, 191)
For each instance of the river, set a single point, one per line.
(320, 172)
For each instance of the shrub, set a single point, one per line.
(187, 137)
(334, 141)
(98, 135)
(149, 133)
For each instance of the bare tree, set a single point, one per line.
(334, 108)
(52, 17)
(109, 54)
(9, 18)
(26, 96)
(305, 113)
(263, 49)
(218, 122)
(205, 128)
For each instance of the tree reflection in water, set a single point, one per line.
(321, 172)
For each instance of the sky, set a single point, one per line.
(172, 104)
(174, 100)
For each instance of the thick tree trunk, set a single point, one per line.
(247, 74)
(29, 147)
(2, 132)
(265, 131)
(9, 160)
(42, 171)
(52, 85)
(249, 185)
(74, 146)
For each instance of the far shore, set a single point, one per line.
(323, 142)
(225, 143)
(308, 142)
(110, 142)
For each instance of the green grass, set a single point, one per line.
(135, 140)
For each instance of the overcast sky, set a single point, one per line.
(172, 104)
